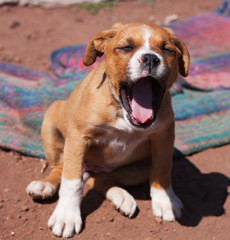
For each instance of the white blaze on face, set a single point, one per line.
(135, 68)
(146, 34)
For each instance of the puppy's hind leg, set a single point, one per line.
(53, 142)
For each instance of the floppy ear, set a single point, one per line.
(96, 46)
(184, 57)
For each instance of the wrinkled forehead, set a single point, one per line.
(143, 35)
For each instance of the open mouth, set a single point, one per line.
(142, 101)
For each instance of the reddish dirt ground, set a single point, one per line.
(202, 181)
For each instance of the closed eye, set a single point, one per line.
(167, 50)
(127, 48)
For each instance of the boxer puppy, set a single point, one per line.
(117, 126)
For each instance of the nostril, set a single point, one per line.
(156, 59)
(144, 58)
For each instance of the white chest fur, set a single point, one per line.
(119, 142)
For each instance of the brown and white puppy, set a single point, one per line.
(111, 124)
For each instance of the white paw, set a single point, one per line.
(122, 200)
(166, 204)
(38, 189)
(66, 218)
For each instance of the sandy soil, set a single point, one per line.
(202, 181)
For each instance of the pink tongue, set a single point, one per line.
(141, 103)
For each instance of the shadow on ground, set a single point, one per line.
(202, 194)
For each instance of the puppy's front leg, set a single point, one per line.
(66, 218)
(165, 203)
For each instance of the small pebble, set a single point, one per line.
(25, 209)
(15, 24)
(28, 35)
(12, 234)
(17, 60)
(171, 18)
(79, 20)
(99, 221)
(158, 220)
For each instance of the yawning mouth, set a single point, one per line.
(142, 101)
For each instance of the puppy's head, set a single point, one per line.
(142, 62)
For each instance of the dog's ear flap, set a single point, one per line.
(96, 46)
(184, 57)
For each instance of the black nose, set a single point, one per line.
(150, 60)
